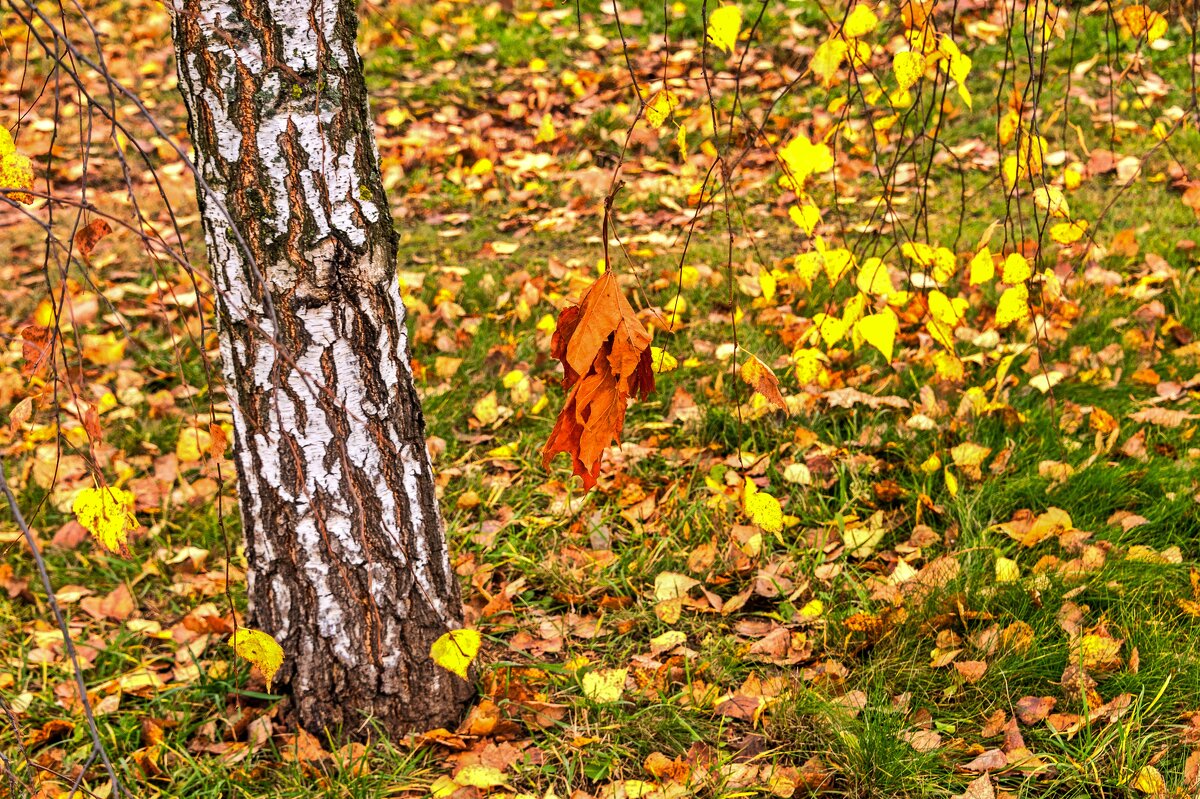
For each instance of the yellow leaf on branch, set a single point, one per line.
(828, 59)
(983, 268)
(260, 649)
(1068, 232)
(908, 67)
(724, 25)
(106, 513)
(1016, 269)
(860, 21)
(762, 508)
(456, 650)
(874, 278)
(16, 170)
(879, 330)
(1013, 306)
(660, 108)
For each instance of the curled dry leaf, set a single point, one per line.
(89, 235)
(605, 353)
(759, 376)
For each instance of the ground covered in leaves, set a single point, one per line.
(982, 578)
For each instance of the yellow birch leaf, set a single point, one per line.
(1073, 176)
(487, 409)
(874, 278)
(681, 141)
(546, 132)
(1016, 269)
(1068, 232)
(806, 217)
(808, 364)
(260, 649)
(808, 266)
(951, 482)
(662, 361)
(1008, 126)
(192, 444)
(762, 508)
(812, 610)
(1141, 19)
(1008, 169)
(724, 25)
(802, 158)
(106, 513)
(959, 67)
(837, 263)
(1031, 151)
(853, 311)
(689, 277)
(830, 328)
(879, 330)
(1007, 570)
(768, 284)
(945, 310)
(104, 349)
(943, 264)
(860, 22)
(827, 59)
(605, 685)
(456, 650)
(16, 170)
(660, 108)
(941, 332)
(477, 775)
(861, 541)
(1150, 782)
(443, 787)
(1051, 200)
(983, 268)
(948, 366)
(908, 67)
(1013, 306)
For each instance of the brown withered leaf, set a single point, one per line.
(980, 788)
(990, 760)
(37, 344)
(90, 234)
(1034, 709)
(605, 353)
(971, 671)
(1164, 417)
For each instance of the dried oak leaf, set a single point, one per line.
(605, 353)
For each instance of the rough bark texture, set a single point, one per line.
(348, 562)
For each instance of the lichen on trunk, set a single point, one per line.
(349, 568)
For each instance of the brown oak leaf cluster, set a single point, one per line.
(605, 353)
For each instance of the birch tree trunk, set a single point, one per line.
(348, 561)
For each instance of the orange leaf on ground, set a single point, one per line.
(605, 353)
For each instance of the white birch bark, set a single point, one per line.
(349, 567)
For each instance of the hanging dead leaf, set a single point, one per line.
(759, 376)
(605, 353)
(89, 236)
